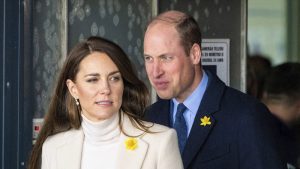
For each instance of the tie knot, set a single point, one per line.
(180, 108)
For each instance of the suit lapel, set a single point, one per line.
(196, 138)
(131, 159)
(209, 105)
(69, 155)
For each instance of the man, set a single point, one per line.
(282, 96)
(221, 128)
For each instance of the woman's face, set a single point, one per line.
(99, 87)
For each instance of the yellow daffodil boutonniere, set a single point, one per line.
(131, 143)
(205, 121)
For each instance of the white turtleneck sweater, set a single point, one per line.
(101, 143)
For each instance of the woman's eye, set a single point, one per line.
(115, 78)
(92, 80)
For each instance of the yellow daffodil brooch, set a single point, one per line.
(131, 143)
(205, 121)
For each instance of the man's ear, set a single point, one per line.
(195, 54)
(72, 88)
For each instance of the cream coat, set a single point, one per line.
(154, 150)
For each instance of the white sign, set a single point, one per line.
(215, 57)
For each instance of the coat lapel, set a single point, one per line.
(196, 138)
(132, 159)
(69, 154)
(210, 104)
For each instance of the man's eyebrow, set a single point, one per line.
(162, 55)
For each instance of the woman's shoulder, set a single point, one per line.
(62, 138)
(154, 127)
(159, 131)
(160, 137)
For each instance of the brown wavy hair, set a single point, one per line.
(63, 113)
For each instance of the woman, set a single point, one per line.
(94, 116)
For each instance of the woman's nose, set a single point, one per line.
(104, 88)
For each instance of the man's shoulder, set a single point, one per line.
(157, 110)
(236, 96)
(221, 94)
(158, 105)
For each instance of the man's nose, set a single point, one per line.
(157, 69)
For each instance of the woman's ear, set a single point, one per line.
(195, 54)
(72, 88)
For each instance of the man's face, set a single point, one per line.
(170, 71)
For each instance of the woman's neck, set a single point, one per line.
(102, 132)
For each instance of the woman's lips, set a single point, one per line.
(105, 102)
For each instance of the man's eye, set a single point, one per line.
(166, 58)
(148, 59)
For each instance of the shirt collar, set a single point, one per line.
(192, 102)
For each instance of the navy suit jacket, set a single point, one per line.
(242, 134)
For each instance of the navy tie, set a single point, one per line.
(180, 126)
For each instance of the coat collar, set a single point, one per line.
(127, 159)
